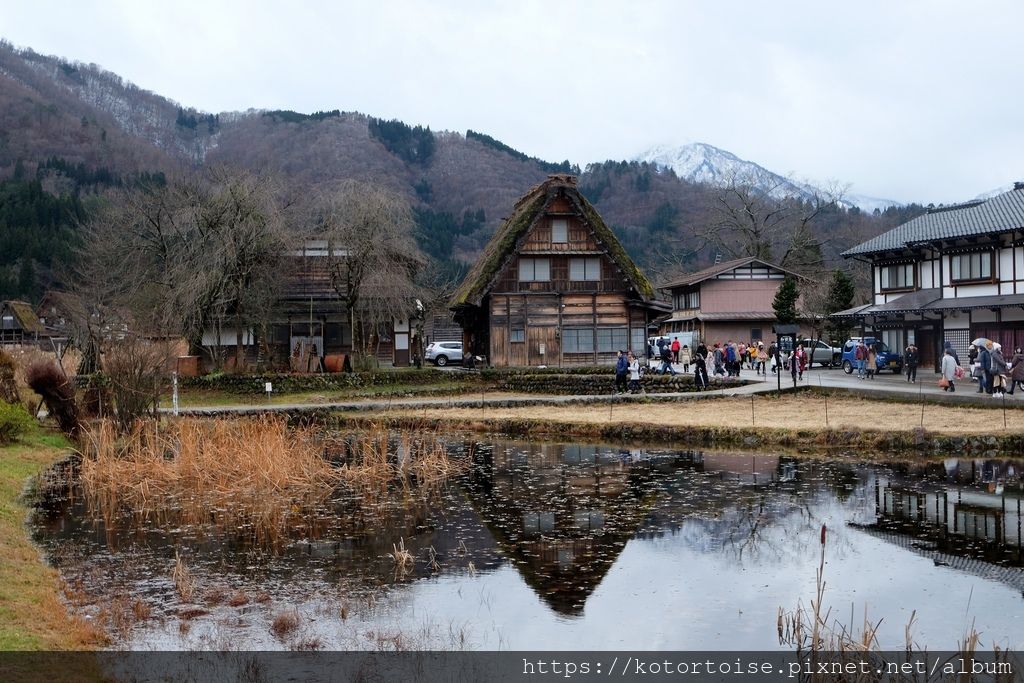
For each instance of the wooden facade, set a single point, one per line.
(952, 275)
(554, 287)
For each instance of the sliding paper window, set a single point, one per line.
(534, 270)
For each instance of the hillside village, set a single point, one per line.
(327, 382)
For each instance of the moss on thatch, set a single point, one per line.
(502, 247)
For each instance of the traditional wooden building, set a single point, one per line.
(310, 320)
(19, 323)
(554, 286)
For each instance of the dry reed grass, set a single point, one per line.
(255, 477)
(184, 582)
(787, 412)
(284, 623)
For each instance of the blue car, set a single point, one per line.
(885, 358)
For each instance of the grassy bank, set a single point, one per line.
(32, 614)
(192, 397)
(790, 420)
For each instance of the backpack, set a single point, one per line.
(730, 354)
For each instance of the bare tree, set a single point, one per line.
(753, 220)
(183, 259)
(373, 259)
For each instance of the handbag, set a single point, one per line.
(943, 382)
(959, 372)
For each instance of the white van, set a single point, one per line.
(685, 339)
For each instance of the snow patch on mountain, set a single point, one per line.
(699, 162)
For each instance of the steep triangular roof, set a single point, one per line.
(531, 206)
(23, 313)
(724, 267)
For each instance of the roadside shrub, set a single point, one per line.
(48, 380)
(14, 421)
(137, 376)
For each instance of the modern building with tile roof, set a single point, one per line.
(953, 274)
(730, 301)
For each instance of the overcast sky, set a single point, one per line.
(915, 101)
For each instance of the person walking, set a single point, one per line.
(675, 350)
(1016, 375)
(871, 364)
(949, 366)
(948, 346)
(685, 357)
(666, 361)
(985, 365)
(762, 360)
(912, 359)
(999, 370)
(634, 373)
(621, 371)
(700, 368)
(717, 360)
(799, 361)
(973, 366)
(860, 357)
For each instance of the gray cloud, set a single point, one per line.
(914, 100)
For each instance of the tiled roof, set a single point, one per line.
(723, 267)
(1001, 213)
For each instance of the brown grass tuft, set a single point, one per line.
(238, 598)
(285, 623)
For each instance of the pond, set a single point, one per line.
(567, 546)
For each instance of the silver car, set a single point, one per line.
(443, 353)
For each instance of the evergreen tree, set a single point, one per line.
(27, 279)
(784, 303)
(839, 298)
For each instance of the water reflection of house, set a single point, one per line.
(563, 513)
(970, 513)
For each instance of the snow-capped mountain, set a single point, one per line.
(700, 162)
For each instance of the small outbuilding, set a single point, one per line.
(19, 323)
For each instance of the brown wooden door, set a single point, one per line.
(538, 337)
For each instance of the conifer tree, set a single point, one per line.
(784, 303)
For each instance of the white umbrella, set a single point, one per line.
(981, 341)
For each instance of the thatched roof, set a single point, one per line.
(24, 315)
(503, 247)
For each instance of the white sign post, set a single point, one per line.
(268, 387)
(174, 393)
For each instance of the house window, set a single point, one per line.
(612, 339)
(8, 322)
(972, 267)
(692, 299)
(578, 340)
(584, 269)
(559, 230)
(898, 277)
(755, 334)
(517, 335)
(638, 343)
(534, 270)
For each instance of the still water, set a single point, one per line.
(567, 546)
